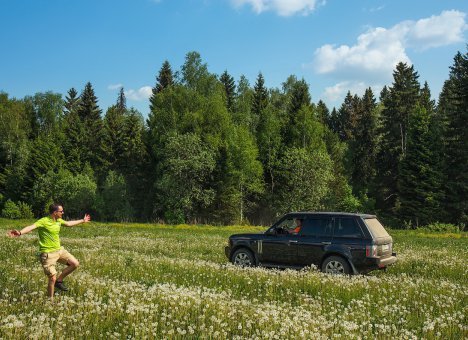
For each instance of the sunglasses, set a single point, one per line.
(60, 211)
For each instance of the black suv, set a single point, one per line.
(339, 243)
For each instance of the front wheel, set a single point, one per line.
(243, 257)
(335, 265)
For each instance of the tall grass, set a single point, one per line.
(154, 281)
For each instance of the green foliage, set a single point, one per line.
(184, 185)
(418, 182)
(45, 111)
(304, 178)
(11, 210)
(244, 172)
(240, 153)
(442, 228)
(20, 210)
(259, 100)
(77, 193)
(93, 132)
(113, 200)
(399, 101)
(363, 145)
(25, 210)
(454, 111)
(74, 133)
(230, 89)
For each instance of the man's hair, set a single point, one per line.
(53, 207)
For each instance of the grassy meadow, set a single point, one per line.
(143, 281)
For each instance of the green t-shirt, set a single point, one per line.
(49, 230)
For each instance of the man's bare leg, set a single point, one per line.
(72, 265)
(51, 286)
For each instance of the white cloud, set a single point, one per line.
(114, 86)
(281, 7)
(379, 49)
(372, 59)
(138, 95)
(444, 29)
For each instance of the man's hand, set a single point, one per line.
(86, 218)
(13, 233)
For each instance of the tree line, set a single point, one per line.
(214, 150)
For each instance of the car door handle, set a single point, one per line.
(326, 243)
(292, 241)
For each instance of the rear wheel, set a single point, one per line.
(243, 257)
(335, 265)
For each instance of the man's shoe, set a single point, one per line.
(61, 286)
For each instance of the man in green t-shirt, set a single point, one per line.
(49, 246)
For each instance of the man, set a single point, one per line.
(296, 230)
(50, 249)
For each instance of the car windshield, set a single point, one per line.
(376, 228)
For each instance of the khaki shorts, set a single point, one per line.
(48, 260)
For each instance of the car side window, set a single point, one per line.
(287, 225)
(347, 227)
(317, 227)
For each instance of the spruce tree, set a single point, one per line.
(72, 101)
(121, 101)
(73, 129)
(259, 100)
(454, 108)
(363, 147)
(348, 115)
(323, 114)
(90, 115)
(296, 130)
(165, 78)
(229, 88)
(418, 182)
(399, 101)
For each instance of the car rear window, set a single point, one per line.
(376, 228)
(347, 227)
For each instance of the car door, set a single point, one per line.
(314, 238)
(348, 236)
(276, 247)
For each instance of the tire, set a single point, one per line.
(243, 257)
(336, 265)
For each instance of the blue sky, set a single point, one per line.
(335, 45)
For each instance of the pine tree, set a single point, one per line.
(241, 114)
(72, 102)
(73, 129)
(363, 147)
(164, 79)
(454, 108)
(90, 115)
(323, 114)
(399, 102)
(298, 125)
(259, 100)
(230, 89)
(121, 101)
(418, 181)
(348, 115)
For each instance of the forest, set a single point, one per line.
(220, 151)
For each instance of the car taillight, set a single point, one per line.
(371, 250)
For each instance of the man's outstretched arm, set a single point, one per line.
(85, 219)
(25, 230)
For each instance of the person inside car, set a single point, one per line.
(296, 230)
